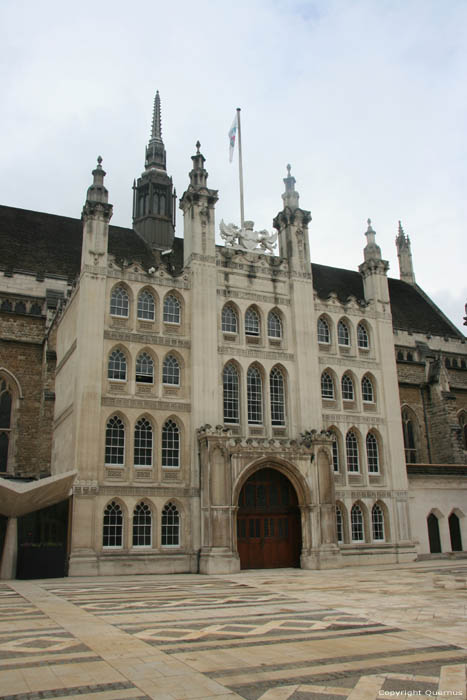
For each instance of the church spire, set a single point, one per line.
(155, 150)
(156, 132)
(404, 254)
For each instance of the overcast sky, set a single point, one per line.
(365, 98)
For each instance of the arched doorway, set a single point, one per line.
(433, 534)
(268, 522)
(455, 533)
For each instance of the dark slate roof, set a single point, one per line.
(51, 245)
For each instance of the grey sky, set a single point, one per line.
(365, 98)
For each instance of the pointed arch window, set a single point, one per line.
(119, 302)
(144, 369)
(117, 365)
(277, 396)
(339, 525)
(254, 396)
(172, 311)
(112, 535)
(377, 522)
(274, 325)
(143, 443)
(327, 386)
(343, 334)
(347, 388)
(170, 526)
(372, 453)
(363, 340)
(356, 522)
(6, 405)
(170, 445)
(408, 427)
(115, 442)
(142, 525)
(146, 306)
(231, 394)
(351, 448)
(229, 320)
(335, 452)
(324, 335)
(171, 371)
(252, 325)
(368, 394)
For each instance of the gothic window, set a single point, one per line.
(252, 325)
(112, 535)
(119, 303)
(170, 445)
(335, 451)
(327, 386)
(377, 522)
(274, 325)
(117, 365)
(351, 448)
(231, 394)
(36, 310)
(144, 368)
(171, 371)
(400, 355)
(146, 306)
(343, 335)
(170, 526)
(142, 525)
(372, 453)
(171, 309)
(408, 427)
(276, 389)
(347, 388)
(143, 443)
(115, 442)
(20, 307)
(356, 521)
(254, 396)
(162, 203)
(323, 331)
(229, 320)
(5, 423)
(339, 525)
(362, 337)
(6, 305)
(463, 425)
(367, 390)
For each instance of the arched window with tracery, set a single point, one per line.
(277, 396)
(119, 302)
(368, 394)
(117, 365)
(171, 371)
(356, 522)
(112, 534)
(146, 306)
(115, 442)
(347, 388)
(231, 394)
(327, 386)
(363, 340)
(170, 526)
(274, 325)
(324, 336)
(252, 324)
(343, 333)
(254, 387)
(229, 319)
(377, 522)
(142, 525)
(408, 427)
(144, 369)
(143, 443)
(351, 448)
(372, 453)
(170, 445)
(6, 410)
(172, 311)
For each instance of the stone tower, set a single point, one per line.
(404, 254)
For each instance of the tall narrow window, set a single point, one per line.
(170, 534)
(143, 443)
(119, 304)
(252, 326)
(276, 389)
(112, 535)
(362, 337)
(368, 394)
(327, 386)
(274, 325)
(335, 452)
(377, 522)
(356, 521)
(231, 394)
(146, 306)
(323, 331)
(170, 445)
(229, 320)
(254, 396)
(142, 525)
(171, 309)
(5, 423)
(339, 525)
(115, 442)
(144, 368)
(463, 426)
(409, 437)
(343, 335)
(117, 365)
(372, 453)
(171, 371)
(347, 388)
(351, 447)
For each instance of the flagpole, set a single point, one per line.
(240, 168)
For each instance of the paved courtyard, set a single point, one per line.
(391, 631)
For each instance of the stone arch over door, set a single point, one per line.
(269, 523)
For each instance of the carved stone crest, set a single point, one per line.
(246, 238)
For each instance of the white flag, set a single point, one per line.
(232, 137)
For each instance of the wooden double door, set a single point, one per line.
(268, 522)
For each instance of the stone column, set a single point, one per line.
(10, 550)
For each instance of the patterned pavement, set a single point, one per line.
(290, 634)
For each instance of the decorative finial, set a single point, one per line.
(370, 229)
(99, 161)
(156, 131)
(401, 230)
(198, 146)
(289, 168)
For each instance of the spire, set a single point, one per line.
(155, 151)
(404, 254)
(372, 251)
(198, 175)
(156, 132)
